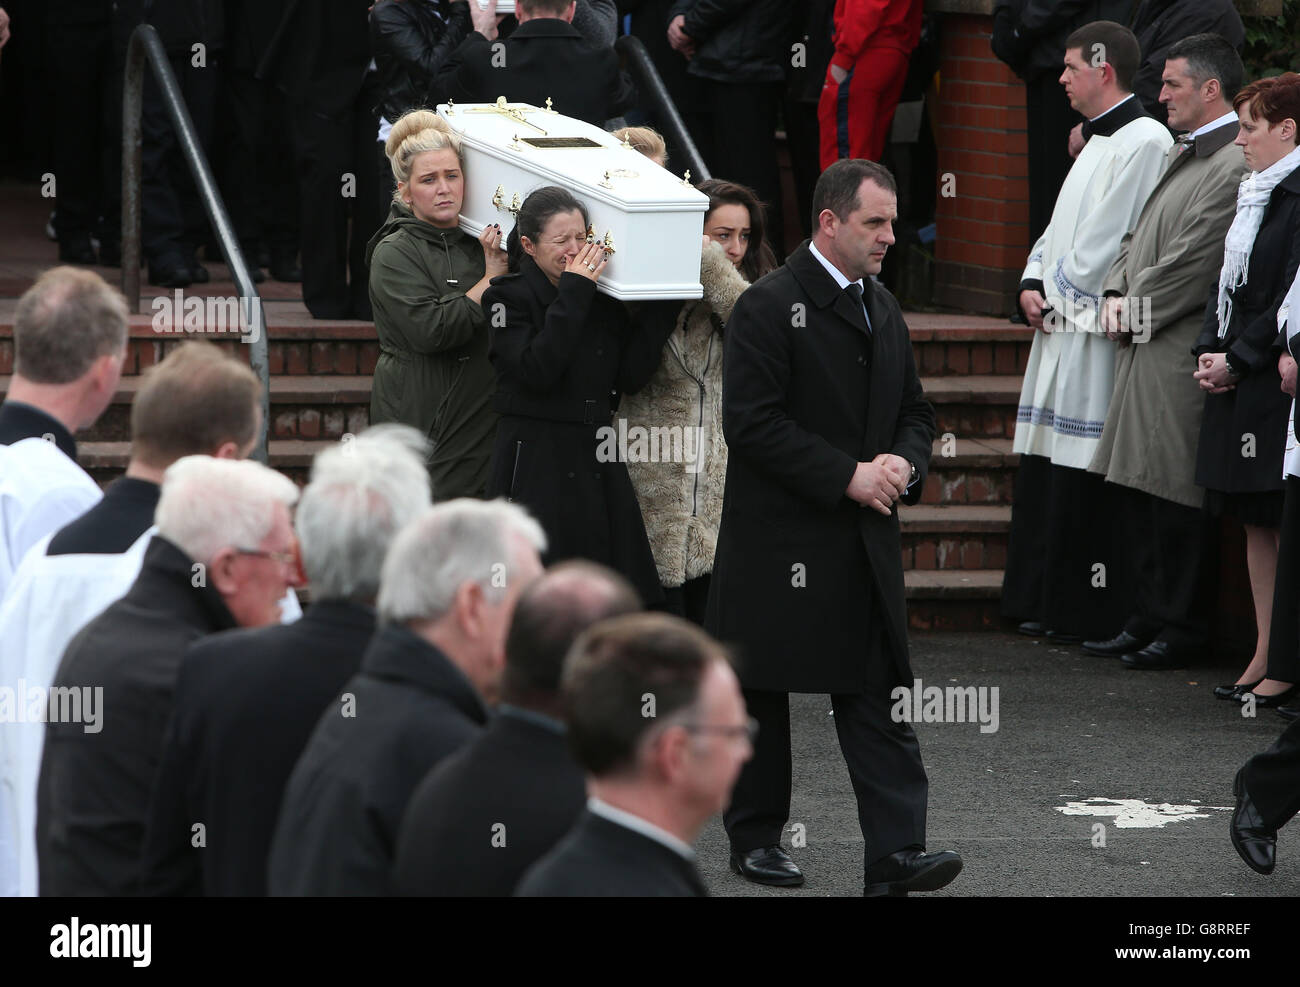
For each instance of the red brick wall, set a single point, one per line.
(983, 232)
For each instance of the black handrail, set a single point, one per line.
(146, 44)
(652, 89)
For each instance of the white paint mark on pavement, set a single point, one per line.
(1138, 813)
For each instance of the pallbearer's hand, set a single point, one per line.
(495, 260)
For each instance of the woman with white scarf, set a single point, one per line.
(1241, 361)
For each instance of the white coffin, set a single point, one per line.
(503, 6)
(653, 220)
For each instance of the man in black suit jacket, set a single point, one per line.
(657, 719)
(206, 570)
(828, 429)
(544, 57)
(446, 594)
(487, 813)
(247, 700)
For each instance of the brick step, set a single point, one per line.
(978, 406)
(106, 461)
(999, 348)
(970, 471)
(953, 599)
(955, 537)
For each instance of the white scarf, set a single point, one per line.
(1252, 196)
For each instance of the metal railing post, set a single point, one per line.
(653, 90)
(145, 44)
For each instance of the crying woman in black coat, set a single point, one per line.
(563, 354)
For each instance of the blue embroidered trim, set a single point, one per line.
(1075, 427)
(1069, 290)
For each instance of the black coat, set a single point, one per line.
(246, 704)
(1158, 24)
(1257, 405)
(1029, 35)
(411, 42)
(542, 58)
(807, 395)
(92, 800)
(518, 775)
(338, 825)
(562, 356)
(601, 859)
(319, 55)
(738, 40)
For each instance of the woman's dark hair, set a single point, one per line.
(759, 258)
(537, 209)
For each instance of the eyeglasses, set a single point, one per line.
(749, 730)
(284, 558)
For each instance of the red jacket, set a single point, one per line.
(862, 24)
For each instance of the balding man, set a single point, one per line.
(657, 720)
(248, 700)
(487, 813)
(224, 556)
(446, 596)
(196, 401)
(69, 346)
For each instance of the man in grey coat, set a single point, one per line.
(1155, 303)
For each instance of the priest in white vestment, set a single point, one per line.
(1061, 576)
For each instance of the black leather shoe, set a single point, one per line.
(1156, 656)
(1032, 628)
(1255, 842)
(1272, 702)
(1289, 712)
(170, 276)
(1234, 692)
(1123, 644)
(1059, 637)
(911, 870)
(767, 865)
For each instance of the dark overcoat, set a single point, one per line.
(804, 578)
(1257, 405)
(563, 354)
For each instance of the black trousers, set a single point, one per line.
(1065, 566)
(1273, 778)
(173, 221)
(883, 758)
(1050, 119)
(1174, 558)
(734, 126)
(86, 87)
(1284, 634)
(260, 191)
(342, 205)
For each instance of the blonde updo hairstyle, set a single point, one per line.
(414, 133)
(647, 140)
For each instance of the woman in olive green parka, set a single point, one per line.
(427, 279)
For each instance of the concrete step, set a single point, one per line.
(977, 406)
(953, 600)
(955, 537)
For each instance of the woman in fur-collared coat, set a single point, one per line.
(676, 454)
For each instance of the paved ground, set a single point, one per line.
(1071, 727)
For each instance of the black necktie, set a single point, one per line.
(854, 291)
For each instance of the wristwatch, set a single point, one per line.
(1232, 368)
(915, 473)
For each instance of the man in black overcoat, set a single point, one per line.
(545, 57)
(828, 429)
(487, 813)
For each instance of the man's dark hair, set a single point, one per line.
(550, 614)
(1210, 56)
(1114, 44)
(543, 8)
(625, 676)
(837, 188)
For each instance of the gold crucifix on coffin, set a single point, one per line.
(513, 111)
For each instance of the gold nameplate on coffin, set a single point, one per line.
(554, 143)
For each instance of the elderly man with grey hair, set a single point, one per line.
(446, 597)
(223, 557)
(70, 331)
(247, 700)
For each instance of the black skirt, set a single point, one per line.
(1284, 635)
(1262, 510)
